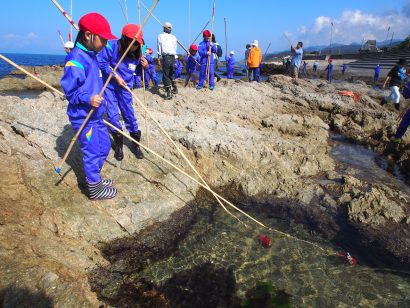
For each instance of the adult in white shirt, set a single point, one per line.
(167, 49)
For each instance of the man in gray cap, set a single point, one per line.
(167, 49)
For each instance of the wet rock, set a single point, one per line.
(375, 207)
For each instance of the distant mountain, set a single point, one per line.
(337, 48)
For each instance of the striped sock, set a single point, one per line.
(98, 191)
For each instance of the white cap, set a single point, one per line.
(255, 43)
(69, 44)
(176, 56)
(232, 52)
(168, 25)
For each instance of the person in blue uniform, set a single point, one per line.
(177, 68)
(206, 56)
(329, 70)
(116, 95)
(394, 80)
(82, 83)
(344, 68)
(192, 60)
(230, 64)
(376, 73)
(150, 73)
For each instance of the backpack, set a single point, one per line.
(219, 51)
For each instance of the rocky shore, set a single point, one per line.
(264, 146)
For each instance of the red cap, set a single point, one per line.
(206, 33)
(149, 51)
(131, 31)
(96, 24)
(193, 47)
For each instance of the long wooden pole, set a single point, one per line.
(65, 14)
(210, 42)
(61, 38)
(193, 179)
(176, 146)
(58, 168)
(71, 26)
(179, 169)
(193, 42)
(31, 75)
(226, 39)
(143, 80)
(179, 43)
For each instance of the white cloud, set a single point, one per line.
(11, 36)
(32, 36)
(355, 25)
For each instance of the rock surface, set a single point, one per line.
(262, 140)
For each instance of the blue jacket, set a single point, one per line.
(190, 63)
(110, 56)
(230, 61)
(377, 69)
(203, 48)
(177, 68)
(82, 79)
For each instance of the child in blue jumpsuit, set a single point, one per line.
(230, 64)
(116, 95)
(82, 82)
(191, 64)
(344, 67)
(177, 68)
(376, 73)
(204, 54)
(150, 73)
(329, 70)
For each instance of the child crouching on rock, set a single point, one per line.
(82, 83)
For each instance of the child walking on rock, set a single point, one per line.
(82, 82)
(116, 95)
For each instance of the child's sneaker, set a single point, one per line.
(198, 87)
(397, 106)
(98, 191)
(211, 88)
(384, 101)
(395, 140)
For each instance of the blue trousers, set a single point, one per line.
(120, 99)
(255, 71)
(330, 76)
(150, 72)
(404, 123)
(229, 72)
(95, 144)
(376, 77)
(202, 74)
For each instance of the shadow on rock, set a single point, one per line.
(204, 285)
(74, 159)
(12, 296)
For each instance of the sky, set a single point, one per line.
(28, 26)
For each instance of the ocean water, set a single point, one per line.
(29, 60)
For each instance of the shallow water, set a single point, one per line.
(220, 251)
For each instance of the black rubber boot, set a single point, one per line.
(118, 142)
(174, 88)
(135, 147)
(168, 94)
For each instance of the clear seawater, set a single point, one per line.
(29, 60)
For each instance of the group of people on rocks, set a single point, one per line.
(89, 65)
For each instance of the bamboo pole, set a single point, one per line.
(177, 147)
(193, 42)
(176, 167)
(210, 43)
(226, 38)
(190, 177)
(65, 14)
(179, 43)
(58, 168)
(71, 26)
(143, 79)
(61, 37)
(31, 75)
